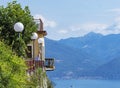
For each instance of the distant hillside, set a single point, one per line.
(70, 62)
(80, 56)
(101, 48)
(109, 70)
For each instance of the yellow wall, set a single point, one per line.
(37, 48)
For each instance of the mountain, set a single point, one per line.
(96, 45)
(80, 42)
(109, 70)
(68, 61)
(83, 56)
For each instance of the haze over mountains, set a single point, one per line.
(91, 56)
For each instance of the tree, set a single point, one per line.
(12, 69)
(11, 14)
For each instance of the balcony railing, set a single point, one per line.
(33, 65)
(48, 64)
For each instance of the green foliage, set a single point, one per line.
(12, 69)
(39, 79)
(11, 14)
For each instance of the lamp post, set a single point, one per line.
(41, 46)
(33, 37)
(18, 27)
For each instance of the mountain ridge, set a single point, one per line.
(79, 57)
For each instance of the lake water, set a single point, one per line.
(86, 83)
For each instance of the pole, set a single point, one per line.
(19, 34)
(33, 49)
(34, 55)
(19, 44)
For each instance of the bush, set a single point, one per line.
(12, 69)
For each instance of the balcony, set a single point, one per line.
(49, 64)
(32, 65)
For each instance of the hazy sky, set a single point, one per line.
(74, 18)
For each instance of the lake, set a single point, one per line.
(86, 83)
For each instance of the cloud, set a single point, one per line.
(47, 23)
(88, 27)
(117, 20)
(85, 28)
(101, 28)
(81, 29)
(114, 10)
(63, 31)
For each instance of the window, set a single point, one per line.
(29, 51)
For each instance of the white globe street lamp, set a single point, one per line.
(18, 27)
(41, 40)
(33, 37)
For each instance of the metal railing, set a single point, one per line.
(49, 64)
(33, 65)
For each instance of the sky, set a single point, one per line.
(74, 18)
